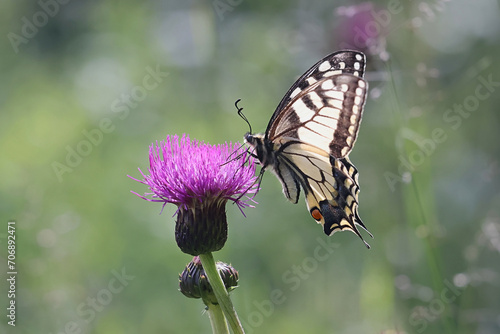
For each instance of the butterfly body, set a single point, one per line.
(310, 135)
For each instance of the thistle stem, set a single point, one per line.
(217, 320)
(208, 262)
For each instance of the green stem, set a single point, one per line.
(208, 262)
(217, 320)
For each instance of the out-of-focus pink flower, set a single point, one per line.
(362, 27)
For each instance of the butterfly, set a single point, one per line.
(310, 135)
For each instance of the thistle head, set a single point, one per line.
(200, 179)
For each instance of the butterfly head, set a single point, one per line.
(260, 148)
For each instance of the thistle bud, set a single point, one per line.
(193, 282)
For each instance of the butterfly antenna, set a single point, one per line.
(240, 113)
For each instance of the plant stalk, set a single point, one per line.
(208, 262)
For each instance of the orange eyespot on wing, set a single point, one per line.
(316, 214)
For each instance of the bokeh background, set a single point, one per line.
(87, 86)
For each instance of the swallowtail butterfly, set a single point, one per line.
(310, 136)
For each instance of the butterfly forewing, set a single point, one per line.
(326, 114)
(341, 62)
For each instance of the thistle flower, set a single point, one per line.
(200, 179)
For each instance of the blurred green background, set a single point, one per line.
(87, 86)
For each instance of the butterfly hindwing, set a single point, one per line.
(330, 186)
(289, 181)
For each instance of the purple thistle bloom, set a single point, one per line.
(199, 178)
(191, 172)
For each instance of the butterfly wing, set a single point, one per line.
(340, 62)
(326, 114)
(313, 130)
(330, 185)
